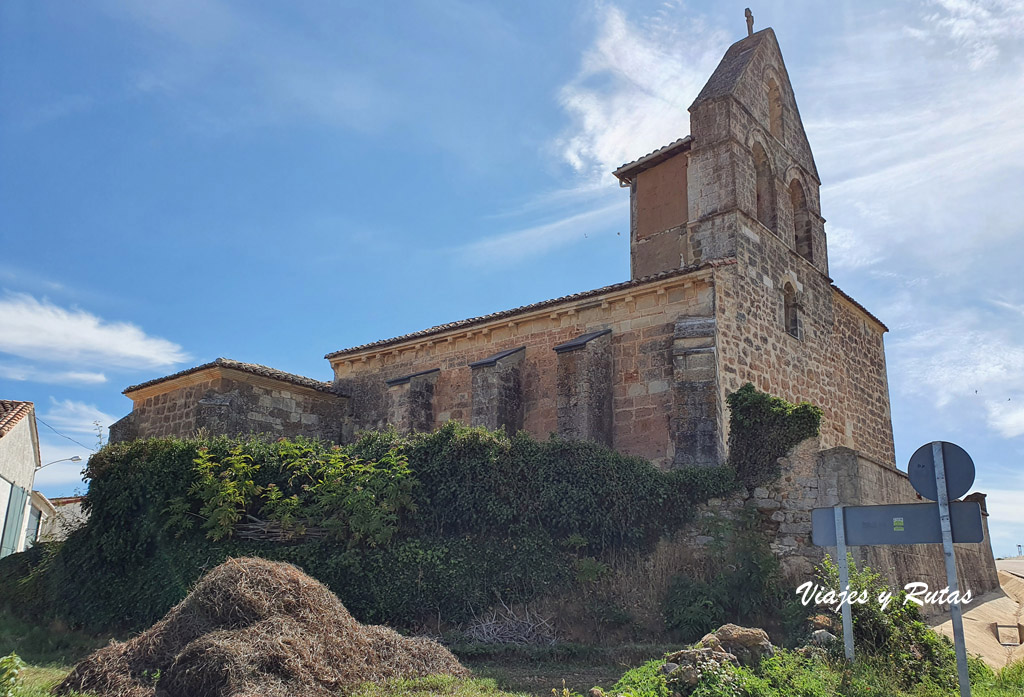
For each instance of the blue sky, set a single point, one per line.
(273, 181)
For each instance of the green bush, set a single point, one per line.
(789, 674)
(427, 525)
(762, 429)
(748, 588)
(895, 636)
(10, 674)
(644, 681)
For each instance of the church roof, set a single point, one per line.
(631, 169)
(11, 414)
(534, 306)
(731, 68)
(253, 368)
(859, 306)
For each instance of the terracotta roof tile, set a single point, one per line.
(652, 158)
(253, 368)
(534, 306)
(11, 413)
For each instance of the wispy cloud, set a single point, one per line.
(629, 96)
(68, 428)
(512, 247)
(911, 135)
(635, 83)
(40, 330)
(981, 27)
(76, 418)
(957, 360)
(20, 372)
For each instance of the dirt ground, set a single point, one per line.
(1001, 607)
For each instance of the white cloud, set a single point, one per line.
(1006, 418)
(29, 373)
(516, 246)
(979, 26)
(965, 366)
(634, 86)
(77, 418)
(39, 330)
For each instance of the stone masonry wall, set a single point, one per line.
(838, 360)
(235, 403)
(642, 320)
(814, 478)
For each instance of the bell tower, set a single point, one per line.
(746, 169)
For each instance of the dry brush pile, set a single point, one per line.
(256, 628)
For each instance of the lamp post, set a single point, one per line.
(73, 458)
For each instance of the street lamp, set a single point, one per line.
(73, 458)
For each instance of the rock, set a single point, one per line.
(668, 668)
(815, 653)
(823, 637)
(823, 622)
(748, 645)
(691, 663)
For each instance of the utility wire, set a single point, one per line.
(91, 450)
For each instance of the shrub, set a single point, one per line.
(10, 674)
(747, 589)
(894, 636)
(643, 681)
(434, 524)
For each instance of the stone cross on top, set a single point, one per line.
(750, 21)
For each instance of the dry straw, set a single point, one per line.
(252, 628)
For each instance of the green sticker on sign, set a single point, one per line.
(897, 524)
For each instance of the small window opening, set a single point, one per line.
(765, 190)
(802, 237)
(792, 311)
(774, 109)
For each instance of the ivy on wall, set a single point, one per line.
(437, 524)
(763, 428)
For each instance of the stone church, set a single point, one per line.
(729, 284)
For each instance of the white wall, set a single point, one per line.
(19, 456)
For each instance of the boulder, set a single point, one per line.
(749, 645)
(823, 622)
(690, 664)
(823, 637)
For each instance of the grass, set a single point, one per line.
(436, 685)
(45, 645)
(567, 670)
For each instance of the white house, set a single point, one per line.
(19, 460)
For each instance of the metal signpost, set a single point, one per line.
(940, 472)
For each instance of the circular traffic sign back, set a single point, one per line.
(959, 471)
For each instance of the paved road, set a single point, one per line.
(1014, 566)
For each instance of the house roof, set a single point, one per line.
(731, 67)
(11, 413)
(629, 170)
(529, 308)
(66, 500)
(252, 368)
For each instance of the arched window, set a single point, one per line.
(774, 108)
(765, 188)
(801, 221)
(791, 311)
